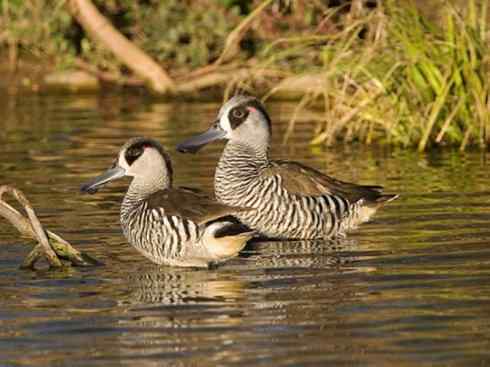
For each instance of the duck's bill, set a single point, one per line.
(110, 175)
(192, 145)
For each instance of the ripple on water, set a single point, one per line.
(412, 287)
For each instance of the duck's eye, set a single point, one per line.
(238, 113)
(133, 154)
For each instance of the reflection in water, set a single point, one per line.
(169, 286)
(221, 313)
(412, 287)
(173, 287)
(304, 254)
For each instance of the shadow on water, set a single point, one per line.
(411, 287)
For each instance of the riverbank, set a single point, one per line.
(391, 74)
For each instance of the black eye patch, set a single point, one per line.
(133, 153)
(237, 116)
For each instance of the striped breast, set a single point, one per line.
(162, 239)
(239, 181)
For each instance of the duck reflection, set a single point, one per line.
(178, 314)
(228, 282)
(169, 286)
(311, 254)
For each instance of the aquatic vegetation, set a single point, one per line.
(440, 91)
(394, 76)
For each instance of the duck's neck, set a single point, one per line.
(240, 165)
(139, 190)
(244, 156)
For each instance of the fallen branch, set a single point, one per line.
(102, 31)
(287, 86)
(222, 77)
(50, 245)
(146, 69)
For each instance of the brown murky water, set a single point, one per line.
(410, 288)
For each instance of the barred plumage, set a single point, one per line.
(279, 213)
(172, 226)
(163, 238)
(290, 200)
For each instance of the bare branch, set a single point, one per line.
(52, 246)
(223, 76)
(132, 56)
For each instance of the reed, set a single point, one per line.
(393, 76)
(443, 80)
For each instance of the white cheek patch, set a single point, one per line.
(225, 124)
(141, 164)
(122, 161)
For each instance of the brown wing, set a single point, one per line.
(303, 180)
(190, 204)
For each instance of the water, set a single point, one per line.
(410, 288)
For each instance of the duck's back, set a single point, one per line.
(179, 227)
(157, 234)
(296, 201)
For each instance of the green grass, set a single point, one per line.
(395, 77)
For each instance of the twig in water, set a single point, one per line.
(50, 245)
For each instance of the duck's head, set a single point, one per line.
(144, 159)
(243, 119)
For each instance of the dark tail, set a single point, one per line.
(233, 229)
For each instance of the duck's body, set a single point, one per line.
(171, 226)
(292, 201)
(176, 235)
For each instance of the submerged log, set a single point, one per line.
(55, 249)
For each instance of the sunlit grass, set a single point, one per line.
(393, 76)
(384, 74)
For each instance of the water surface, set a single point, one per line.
(410, 288)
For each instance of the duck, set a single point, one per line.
(174, 226)
(291, 200)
